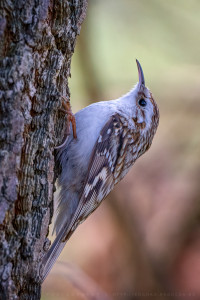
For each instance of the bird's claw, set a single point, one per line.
(66, 108)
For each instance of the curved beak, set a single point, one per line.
(140, 74)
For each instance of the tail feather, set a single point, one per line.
(53, 253)
(62, 237)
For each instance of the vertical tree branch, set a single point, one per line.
(37, 42)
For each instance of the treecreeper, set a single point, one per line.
(104, 141)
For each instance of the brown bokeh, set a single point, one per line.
(144, 240)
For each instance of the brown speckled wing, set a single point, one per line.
(100, 180)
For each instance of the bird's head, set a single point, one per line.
(145, 113)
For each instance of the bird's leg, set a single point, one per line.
(70, 116)
(66, 108)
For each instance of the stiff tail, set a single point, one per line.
(53, 253)
(63, 236)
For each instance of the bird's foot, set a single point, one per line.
(66, 108)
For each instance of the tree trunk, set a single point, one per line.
(37, 42)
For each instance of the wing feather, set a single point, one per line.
(98, 183)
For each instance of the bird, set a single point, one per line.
(102, 144)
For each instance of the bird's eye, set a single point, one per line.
(142, 102)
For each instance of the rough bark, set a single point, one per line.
(37, 42)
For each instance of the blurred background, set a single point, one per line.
(144, 240)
